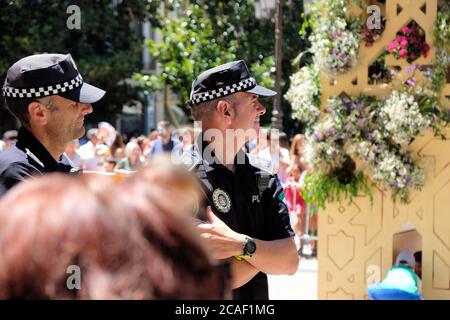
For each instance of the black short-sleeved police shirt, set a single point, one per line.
(249, 201)
(28, 157)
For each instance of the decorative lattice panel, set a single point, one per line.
(356, 240)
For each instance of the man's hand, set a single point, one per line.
(223, 242)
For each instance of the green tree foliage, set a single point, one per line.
(208, 33)
(106, 48)
(188, 47)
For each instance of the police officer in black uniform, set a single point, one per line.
(246, 220)
(46, 93)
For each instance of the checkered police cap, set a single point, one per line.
(44, 75)
(224, 80)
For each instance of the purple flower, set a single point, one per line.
(376, 75)
(318, 135)
(357, 106)
(333, 51)
(411, 81)
(330, 132)
(409, 69)
(416, 66)
(393, 185)
(407, 179)
(369, 136)
(335, 34)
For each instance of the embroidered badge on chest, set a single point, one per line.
(221, 200)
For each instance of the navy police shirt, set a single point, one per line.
(250, 201)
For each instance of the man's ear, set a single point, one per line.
(37, 112)
(225, 109)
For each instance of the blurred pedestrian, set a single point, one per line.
(117, 144)
(93, 152)
(165, 141)
(72, 154)
(110, 164)
(133, 160)
(46, 93)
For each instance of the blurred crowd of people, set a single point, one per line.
(288, 161)
(106, 150)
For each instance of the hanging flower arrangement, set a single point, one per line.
(304, 94)
(335, 48)
(335, 38)
(376, 133)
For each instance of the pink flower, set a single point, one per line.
(402, 53)
(406, 30)
(392, 46)
(403, 42)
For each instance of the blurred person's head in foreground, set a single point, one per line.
(128, 238)
(64, 223)
(164, 198)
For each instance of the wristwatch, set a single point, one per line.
(248, 248)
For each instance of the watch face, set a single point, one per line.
(250, 246)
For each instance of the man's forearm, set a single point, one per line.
(275, 257)
(242, 272)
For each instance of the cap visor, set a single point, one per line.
(90, 94)
(261, 91)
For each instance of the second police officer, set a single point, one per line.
(247, 220)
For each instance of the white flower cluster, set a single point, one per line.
(335, 48)
(322, 148)
(304, 95)
(400, 174)
(402, 118)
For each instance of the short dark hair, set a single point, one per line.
(204, 110)
(18, 107)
